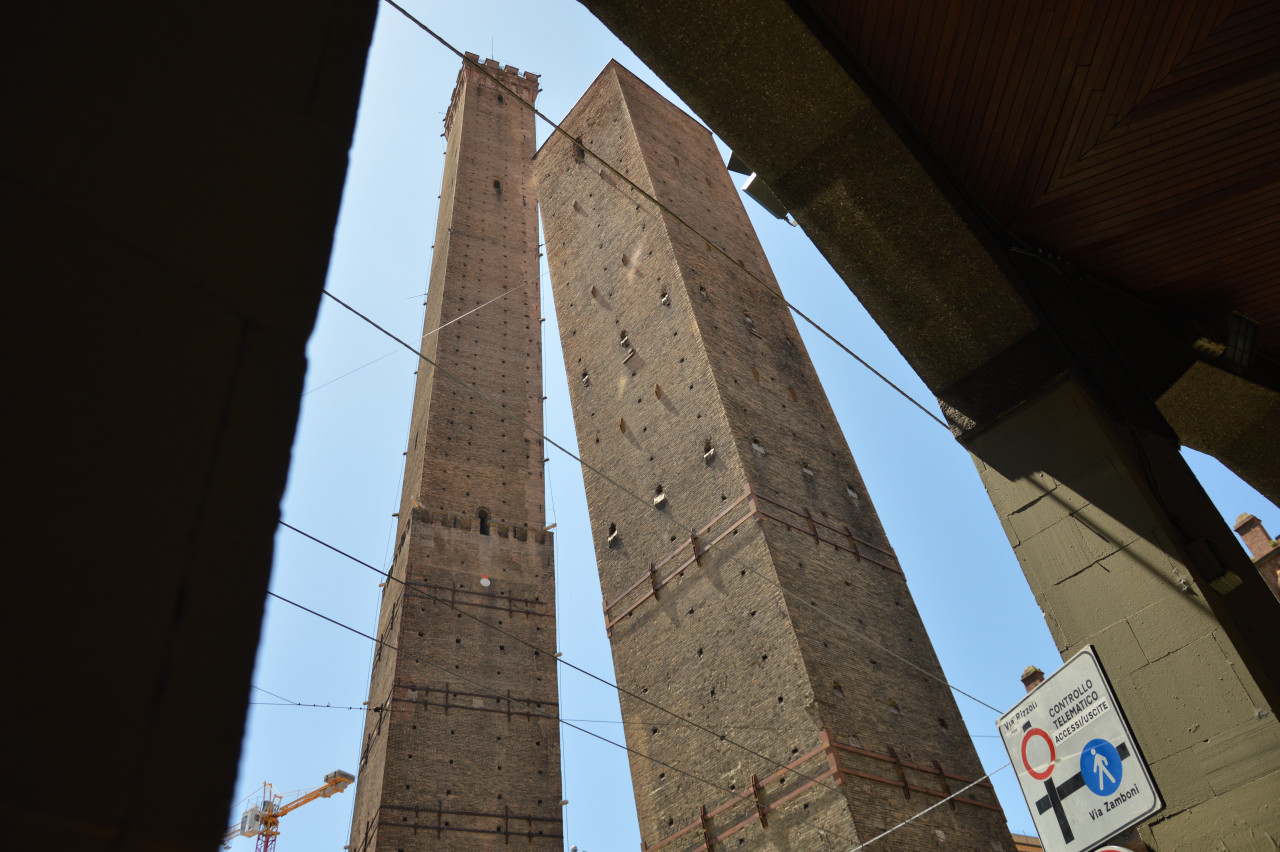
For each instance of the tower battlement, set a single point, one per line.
(524, 85)
(482, 526)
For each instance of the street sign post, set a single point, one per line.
(1079, 768)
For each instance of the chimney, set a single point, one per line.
(1032, 677)
(1255, 536)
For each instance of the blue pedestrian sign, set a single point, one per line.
(1100, 767)
(1077, 762)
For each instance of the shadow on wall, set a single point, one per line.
(1107, 524)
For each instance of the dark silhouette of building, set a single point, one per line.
(172, 174)
(748, 585)
(462, 749)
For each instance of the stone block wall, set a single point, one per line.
(1107, 560)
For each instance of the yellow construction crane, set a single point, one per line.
(262, 819)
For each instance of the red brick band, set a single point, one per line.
(697, 549)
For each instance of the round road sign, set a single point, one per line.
(1048, 770)
(1100, 767)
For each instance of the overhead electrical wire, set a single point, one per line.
(541, 435)
(272, 694)
(319, 706)
(648, 504)
(558, 446)
(664, 208)
(613, 482)
(435, 330)
(639, 723)
(570, 723)
(532, 708)
(544, 437)
(560, 660)
(559, 129)
(494, 403)
(937, 804)
(881, 836)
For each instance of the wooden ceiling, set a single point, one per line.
(1139, 138)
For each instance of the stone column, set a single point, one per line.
(1121, 549)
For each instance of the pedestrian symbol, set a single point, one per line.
(1100, 767)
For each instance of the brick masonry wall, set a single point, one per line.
(1262, 550)
(672, 349)
(486, 244)
(1269, 567)
(461, 748)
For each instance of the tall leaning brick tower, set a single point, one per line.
(461, 750)
(741, 590)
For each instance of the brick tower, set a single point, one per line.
(691, 385)
(458, 754)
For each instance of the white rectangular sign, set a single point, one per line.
(1079, 768)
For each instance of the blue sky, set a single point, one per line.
(344, 482)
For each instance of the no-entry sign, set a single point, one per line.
(1077, 763)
